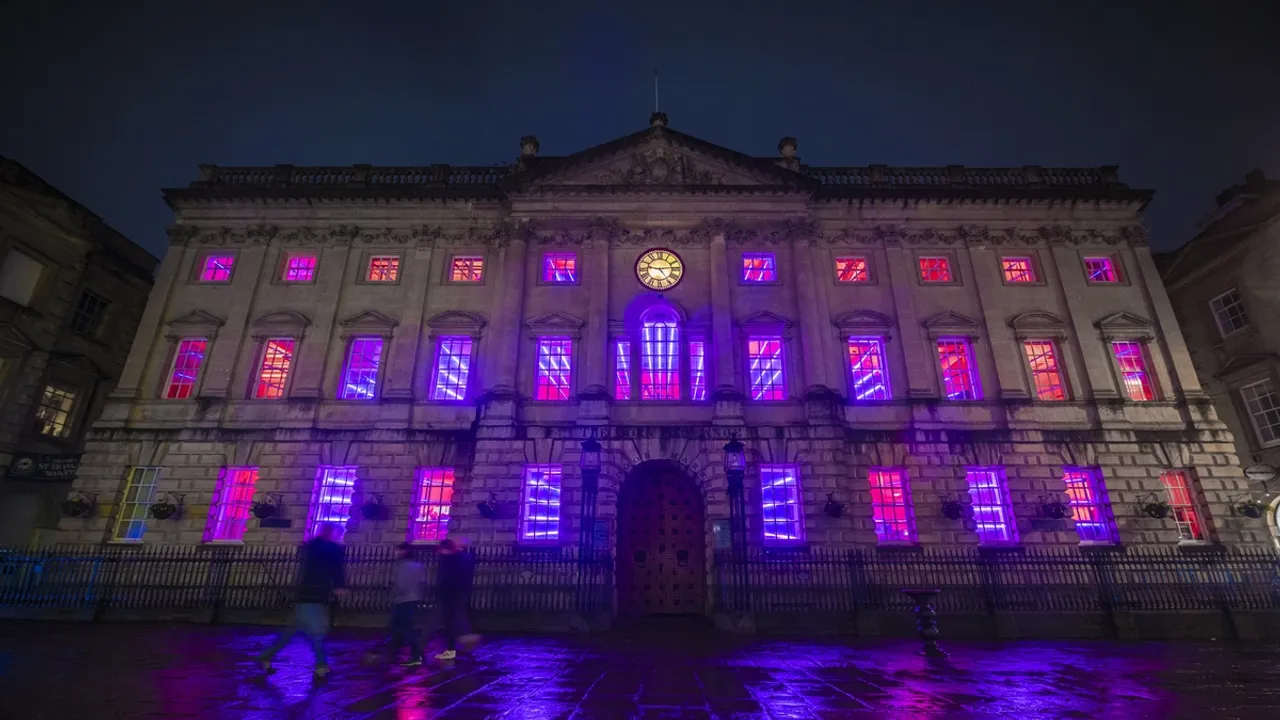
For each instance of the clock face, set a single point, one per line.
(659, 269)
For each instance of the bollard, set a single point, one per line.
(926, 620)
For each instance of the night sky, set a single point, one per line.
(112, 101)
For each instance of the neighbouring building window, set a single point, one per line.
(891, 506)
(781, 511)
(554, 371)
(273, 369)
(622, 369)
(935, 269)
(659, 355)
(540, 504)
(992, 514)
(88, 315)
(759, 268)
(466, 269)
(1101, 270)
(139, 493)
(1228, 311)
(186, 368)
(1090, 508)
(331, 497)
(453, 368)
(764, 355)
(300, 268)
(558, 268)
(53, 414)
(1264, 410)
(853, 270)
(432, 498)
(697, 370)
(1046, 376)
(217, 268)
(867, 369)
(232, 501)
(959, 377)
(1018, 270)
(19, 277)
(1182, 499)
(360, 381)
(1131, 360)
(383, 268)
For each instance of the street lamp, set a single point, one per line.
(735, 466)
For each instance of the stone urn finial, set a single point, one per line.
(658, 119)
(528, 146)
(787, 147)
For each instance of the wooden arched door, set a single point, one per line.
(662, 545)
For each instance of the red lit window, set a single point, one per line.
(540, 503)
(622, 370)
(935, 269)
(360, 382)
(697, 370)
(384, 268)
(331, 497)
(853, 270)
(659, 355)
(559, 268)
(453, 368)
(759, 268)
(1182, 499)
(217, 268)
(764, 354)
(554, 370)
(273, 370)
(781, 511)
(186, 368)
(1046, 377)
(1090, 508)
(867, 368)
(432, 498)
(466, 269)
(1132, 362)
(891, 506)
(1100, 270)
(1018, 270)
(300, 268)
(989, 496)
(959, 380)
(232, 500)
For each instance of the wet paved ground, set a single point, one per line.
(144, 671)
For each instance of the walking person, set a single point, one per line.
(406, 595)
(321, 580)
(454, 574)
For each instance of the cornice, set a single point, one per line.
(342, 235)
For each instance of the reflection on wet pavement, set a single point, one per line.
(154, 671)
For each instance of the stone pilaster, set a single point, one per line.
(1092, 352)
(145, 340)
(595, 344)
(813, 314)
(335, 271)
(921, 361)
(984, 268)
(220, 370)
(727, 397)
(402, 365)
(1177, 358)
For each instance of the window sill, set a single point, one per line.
(901, 548)
(1005, 548)
(125, 542)
(223, 542)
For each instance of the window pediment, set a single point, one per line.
(456, 322)
(556, 323)
(952, 324)
(1245, 364)
(1125, 324)
(863, 322)
(1038, 324)
(369, 322)
(12, 337)
(196, 323)
(77, 365)
(765, 322)
(280, 323)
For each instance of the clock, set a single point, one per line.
(659, 269)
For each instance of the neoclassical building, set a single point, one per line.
(421, 351)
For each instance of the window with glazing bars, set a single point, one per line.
(453, 368)
(53, 414)
(891, 506)
(559, 268)
(383, 268)
(935, 269)
(1186, 516)
(1228, 311)
(331, 497)
(540, 504)
(959, 378)
(1100, 270)
(622, 369)
(1018, 270)
(432, 498)
(781, 511)
(232, 501)
(853, 270)
(659, 355)
(1090, 508)
(217, 268)
(139, 493)
(759, 268)
(1264, 409)
(185, 370)
(554, 371)
(867, 369)
(1046, 377)
(697, 370)
(1131, 359)
(990, 502)
(466, 269)
(273, 370)
(764, 357)
(90, 310)
(300, 268)
(360, 381)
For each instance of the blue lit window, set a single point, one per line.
(331, 497)
(360, 381)
(554, 371)
(1090, 508)
(697, 370)
(764, 355)
(759, 268)
(660, 355)
(559, 268)
(992, 515)
(453, 368)
(540, 504)
(867, 369)
(622, 370)
(780, 507)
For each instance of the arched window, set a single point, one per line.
(659, 355)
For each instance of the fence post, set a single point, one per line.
(216, 586)
(111, 561)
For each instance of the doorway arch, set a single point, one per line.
(662, 543)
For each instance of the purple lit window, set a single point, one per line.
(1018, 270)
(867, 368)
(697, 370)
(1046, 377)
(453, 368)
(759, 268)
(1101, 270)
(383, 268)
(959, 381)
(1132, 363)
(186, 368)
(1090, 507)
(300, 268)
(552, 376)
(232, 500)
(991, 512)
(559, 268)
(273, 370)
(1182, 497)
(853, 270)
(891, 506)
(432, 498)
(659, 355)
(467, 269)
(622, 369)
(781, 512)
(935, 269)
(540, 504)
(764, 354)
(360, 382)
(331, 497)
(217, 268)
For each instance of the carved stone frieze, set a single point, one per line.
(659, 166)
(981, 235)
(342, 236)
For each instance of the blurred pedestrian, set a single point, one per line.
(321, 581)
(454, 575)
(406, 595)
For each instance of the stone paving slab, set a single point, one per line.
(50, 671)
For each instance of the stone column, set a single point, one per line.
(921, 359)
(595, 341)
(727, 397)
(402, 363)
(225, 353)
(1178, 359)
(1093, 353)
(984, 268)
(505, 352)
(814, 317)
(149, 326)
(333, 275)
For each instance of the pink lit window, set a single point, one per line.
(360, 381)
(781, 512)
(1018, 270)
(383, 268)
(759, 268)
(300, 268)
(1101, 270)
(186, 368)
(659, 355)
(959, 380)
(552, 376)
(1182, 499)
(453, 368)
(466, 269)
(622, 370)
(432, 498)
(989, 495)
(217, 268)
(1046, 377)
(559, 268)
(1090, 507)
(1132, 363)
(540, 504)
(852, 270)
(273, 370)
(935, 269)
(697, 370)
(232, 500)
(331, 497)
(867, 369)
(891, 506)
(764, 355)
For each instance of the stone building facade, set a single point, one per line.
(71, 293)
(882, 340)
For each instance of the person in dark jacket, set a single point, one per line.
(321, 580)
(406, 595)
(454, 574)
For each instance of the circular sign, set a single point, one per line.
(1260, 473)
(659, 269)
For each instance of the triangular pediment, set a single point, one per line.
(457, 320)
(78, 363)
(370, 322)
(554, 322)
(764, 321)
(196, 320)
(1123, 320)
(1238, 364)
(863, 321)
(950, 321)
(11, 336)
(285, 323)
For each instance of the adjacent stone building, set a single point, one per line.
(71, 293)
(424, 350)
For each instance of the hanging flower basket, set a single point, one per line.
(1251, 509)
(76, 507)
(371, 510)
(953, 509)
(1056, 510)
(263, 509)
(163, 510)
(1158, 509)
(834, 508)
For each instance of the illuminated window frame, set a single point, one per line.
(958, 383)
(781, 506)
(1019, 270)
(451, 371)
(231, 504)
(936, 270)
(55, 413)
(1044, 367)
(540, 504)
(1262, 404)
(432, 501)
(274, 368)
(1133, 365)
(135, 503)
(465, 270)
(216, 268)
(621, 369)
(766, 368)
(852, 269)
(1090, 506)
(1101, 270)
(299, 268)
(382, 269)
(759, 268)
(331, 497)
(660, 352)
(184, 371)
(891, 507)
(868, 369)
(992, 510)
(553, 369)
(560, 268)
(360, 373)
(1181, 490)
(698, 370)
